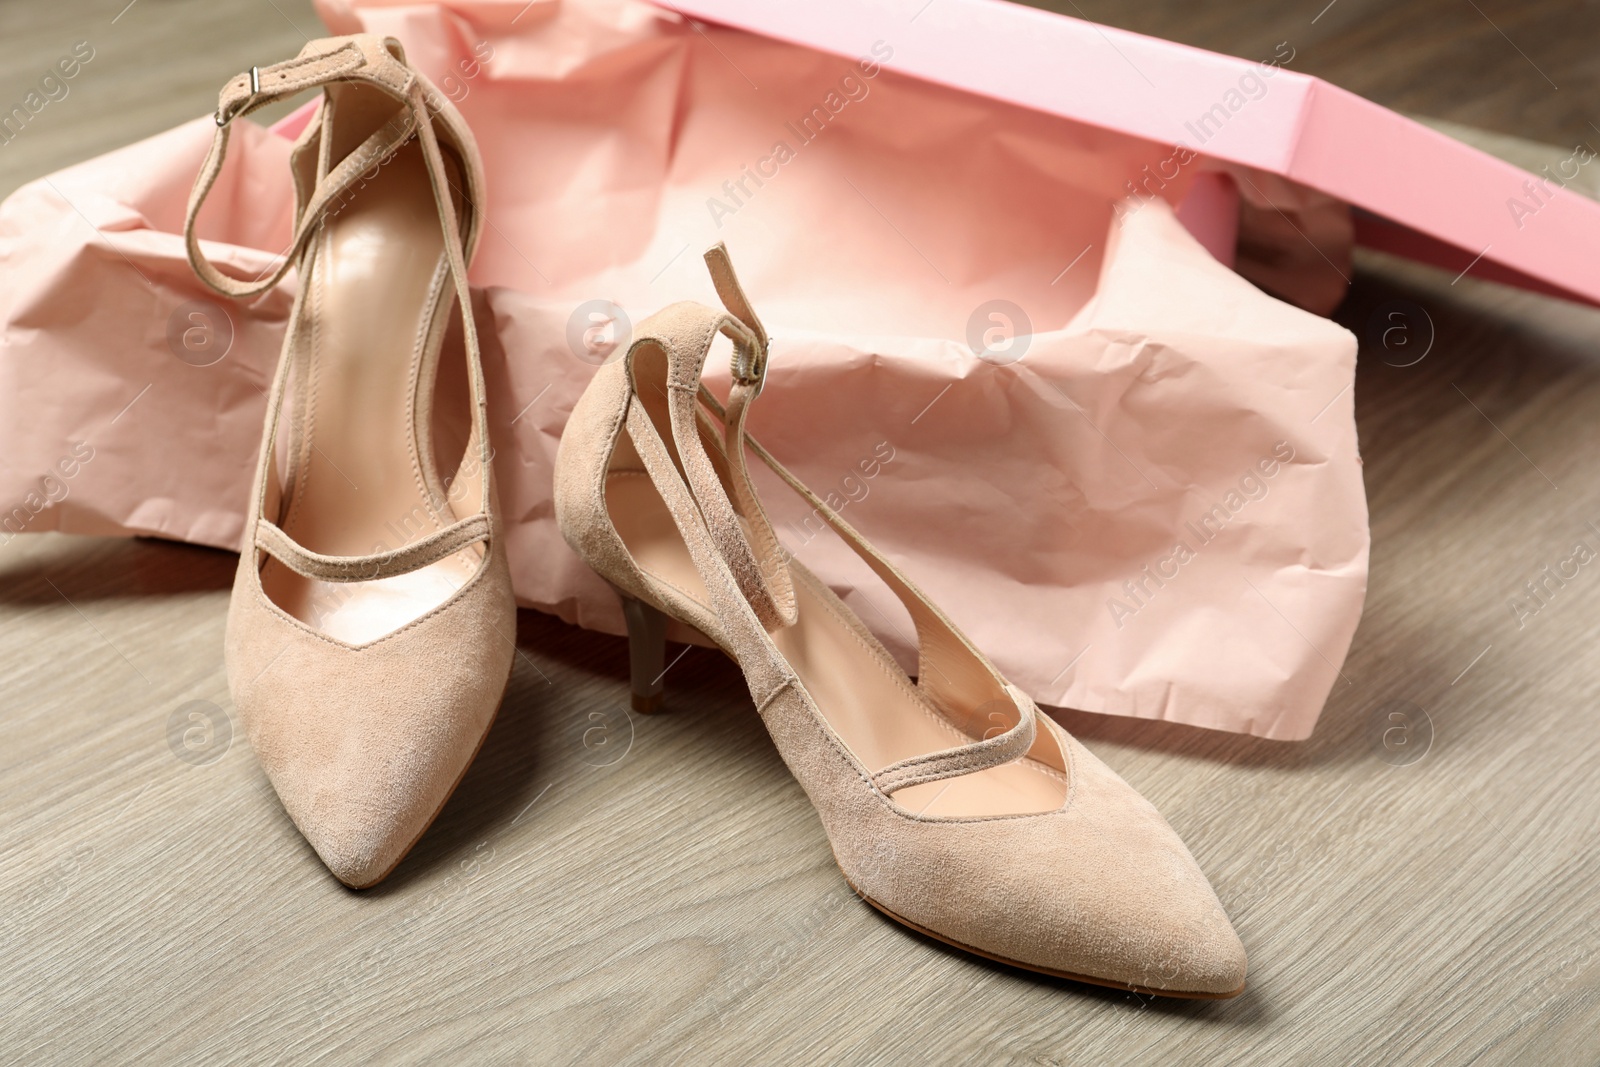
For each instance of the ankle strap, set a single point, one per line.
(424, 114)
(953, 674)
(684, 332)
(321, 61)
(365, 58)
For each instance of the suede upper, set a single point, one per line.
(1099, 888)
(365, 744)
(365, 716)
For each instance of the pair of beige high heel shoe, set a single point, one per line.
(367, 673)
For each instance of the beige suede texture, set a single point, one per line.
(588, 442)
(582, 460)
(365, 743)
(1101, 888)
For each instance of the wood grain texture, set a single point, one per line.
(609, 888)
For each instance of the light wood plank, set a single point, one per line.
(670, 897)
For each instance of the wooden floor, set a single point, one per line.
(610, 888)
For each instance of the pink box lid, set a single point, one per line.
(1419, 193)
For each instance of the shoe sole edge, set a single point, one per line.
(1039, 968)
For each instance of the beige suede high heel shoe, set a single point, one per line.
(370, 634)
(952, 804)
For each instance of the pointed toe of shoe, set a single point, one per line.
(365, 744)
(1215, 964)
(1142, 912)
(360, 791)
(359, 842)
(1102, 890)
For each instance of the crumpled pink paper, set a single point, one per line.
(1145, 499)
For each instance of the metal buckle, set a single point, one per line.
(749, 358)
(225, 117)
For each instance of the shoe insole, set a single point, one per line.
(377, 269)
(856, 684)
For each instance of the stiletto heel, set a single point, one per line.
(647, 654)
(1017, 845)
(368, 641)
